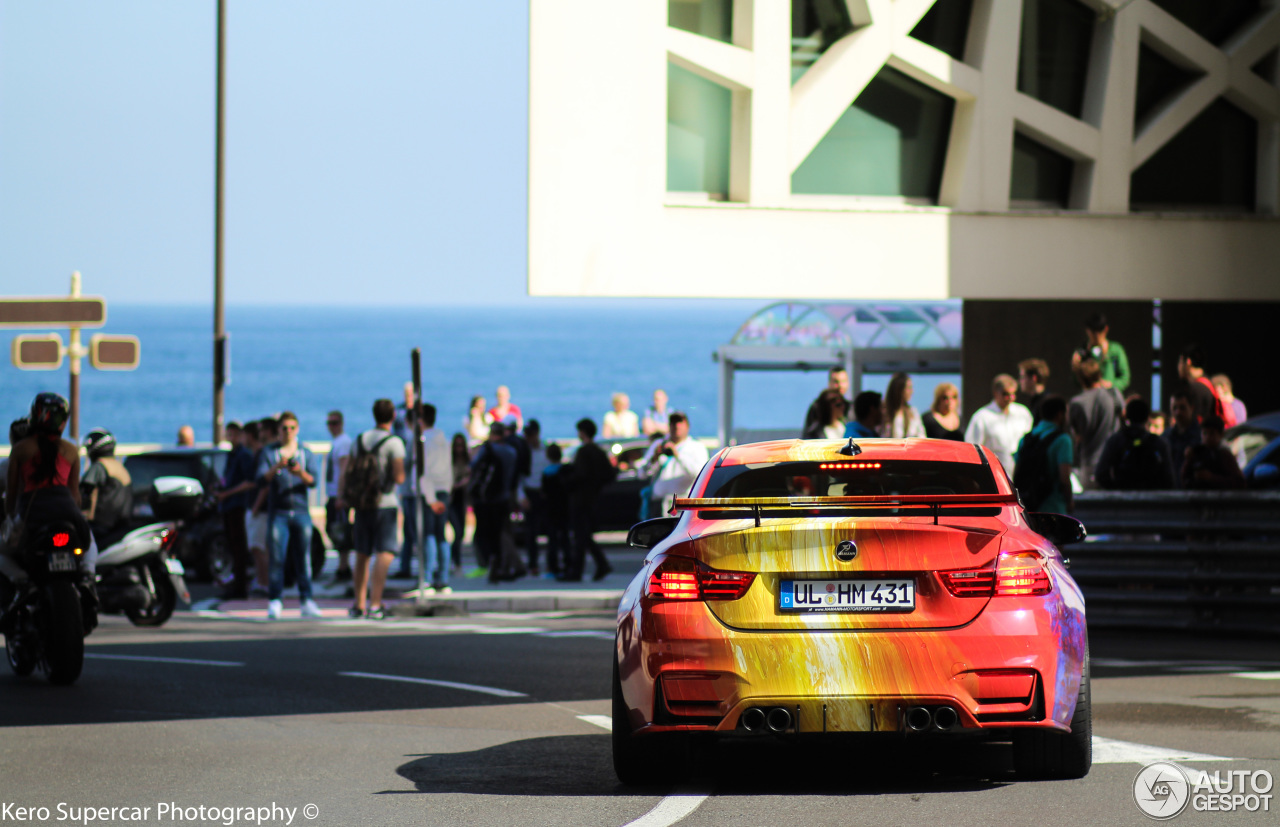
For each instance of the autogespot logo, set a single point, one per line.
(1161, 790)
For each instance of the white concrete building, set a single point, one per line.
(905, 148)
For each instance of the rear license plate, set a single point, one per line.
(897, 595)
(62, 561)
(174, 566)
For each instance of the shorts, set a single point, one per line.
(256, 527)
(375, 531)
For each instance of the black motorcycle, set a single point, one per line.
(46, 621)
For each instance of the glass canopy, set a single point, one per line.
(909, 325)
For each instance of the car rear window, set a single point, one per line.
(851, 478)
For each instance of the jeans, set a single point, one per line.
(290, 535)
(436, 549)
(409, 548)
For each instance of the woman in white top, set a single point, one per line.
(832, 407)
(621, 422)
(900, 419)
(477, 422)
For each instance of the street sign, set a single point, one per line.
(53, 312)
(114, 352)
(42, 352)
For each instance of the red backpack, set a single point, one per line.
(1220, 409)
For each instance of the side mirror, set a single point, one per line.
(1059, 529)
(651, 532)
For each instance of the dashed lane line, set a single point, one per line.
(1258, 676)
(155, 659)
(602, 721)
(467, 687)
(680, 804)
(1109, 751)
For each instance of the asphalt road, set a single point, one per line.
(418, 722)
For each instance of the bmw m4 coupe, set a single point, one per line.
(834, 588)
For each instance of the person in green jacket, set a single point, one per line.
(1110, 355)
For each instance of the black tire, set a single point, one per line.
(318, 553)
(1060, 754)
(63, 629)
(22, 658)
(644, 761)
(165, 598)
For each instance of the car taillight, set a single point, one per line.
(679, 578)
(1016, 573)
(1022, 573)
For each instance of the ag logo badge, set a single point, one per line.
(1161, 790)
(846, 551)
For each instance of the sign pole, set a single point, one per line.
(219, 317)
(73, 350)
(421, 551)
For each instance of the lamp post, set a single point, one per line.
(219, 317)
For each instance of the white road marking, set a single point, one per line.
(208, 604)
(671, 809)
(154, 659)
(469, 687)
(510, 630)
(1109, 751)
(1258, 676)
(602, 721)
(1124, 663)
(595, 633)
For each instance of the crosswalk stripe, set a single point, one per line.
(1110, 751)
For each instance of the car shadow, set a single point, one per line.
(582, 765)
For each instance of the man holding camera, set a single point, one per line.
(674, 463)
(288, 469)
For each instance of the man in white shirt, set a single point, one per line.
(434, 485)
(1002, 424)
(337, 515)
(677, 460)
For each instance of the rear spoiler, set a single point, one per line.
(754, 505)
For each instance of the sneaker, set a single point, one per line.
(274, 609)
(477, 572)
(354, 612)
(444, 590)
(310, 609)
(429, 591)
(377, 613)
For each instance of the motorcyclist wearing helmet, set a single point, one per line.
(44, 469)
(106, 489)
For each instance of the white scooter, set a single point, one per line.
(136, 575)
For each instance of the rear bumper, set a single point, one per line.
(1017, 665)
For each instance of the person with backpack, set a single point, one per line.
(1133, 458)
(1042, 470)
(374, 468)
(493, 475)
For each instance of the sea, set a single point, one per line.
(562, 361)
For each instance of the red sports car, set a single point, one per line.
(819, 586)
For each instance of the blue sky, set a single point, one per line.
(376, 151)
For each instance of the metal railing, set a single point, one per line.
(1199, 560)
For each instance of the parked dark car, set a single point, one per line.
(202, 546)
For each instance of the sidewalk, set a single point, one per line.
(470, 595)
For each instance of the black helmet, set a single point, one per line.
(49, 414)
(19, 429)
(99, 443)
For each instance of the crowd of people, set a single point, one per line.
(1105, 436)
(497, 466)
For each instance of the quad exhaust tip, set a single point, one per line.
(777, 719)
(945, 718)
(919, 718)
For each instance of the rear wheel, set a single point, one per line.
(164, 597)
(647, 760)
(63, 633)
(1060, 754)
